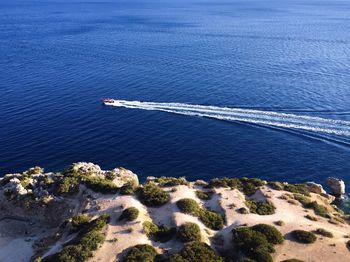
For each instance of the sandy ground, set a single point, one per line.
(17, 237)
(294, 218)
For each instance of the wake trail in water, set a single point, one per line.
(252, 116)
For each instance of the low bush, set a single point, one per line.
(100, 185)
(276, 185)
(211, 219)
(72, 253)
(89, 239)
(158, 233)
(198, 252)
(324, 232)
(271, 233)
(141, 253)
(171, 181)
(279, 223)
(250, 185)
(261, 207)
(129, 214)
(188, 206)
(68, 185)
(304, 237)
(243, 210)
(297, 188)
(244, 184)
(302, 199)
(189, 232)
(79, 221)
(204, 195)
(252, 243)
(257, 242)
(153, 195)
(224, 182)
(306, 202)
(128, 188)
(319, 210)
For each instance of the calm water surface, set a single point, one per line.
(58, 58)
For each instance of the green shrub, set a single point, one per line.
(89, 239)
(139, 253)
(248, 239)
(171, 181)
(188, 206)
(324, 232)
(153, 195)
(198, 252)
(302, 199)
(100, 185)
(292, 260)
(250, 185)
(319, 210)
(257, 242)
(276, 185)
(92, 240)
(271, 233)
(294, 188)
(279, 223)
(68, 185)
(159, 233)
(73, 253)
(224, 182)
(79, 221)
(150, 228)
(297, 188)
(253, 244)
(303, 236)
(189, 232)
(261, 207)
(243, 210)
(129, 214)
(128, 188)
(204, 195)
(211, 219)
(98, 223)
(247, 185)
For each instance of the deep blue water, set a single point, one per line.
(58, 58)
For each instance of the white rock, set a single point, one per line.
(336, 185)
(315, 188)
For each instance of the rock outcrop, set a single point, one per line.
(315, 188)
(337, 186)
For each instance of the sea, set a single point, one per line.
(203, 88)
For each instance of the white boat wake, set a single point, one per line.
(260, 117)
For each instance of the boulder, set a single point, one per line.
(150, 178)
(87, 168)
(337, 186)
(200, 182)
(15, 187)
(123, 176)
(315, 188)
